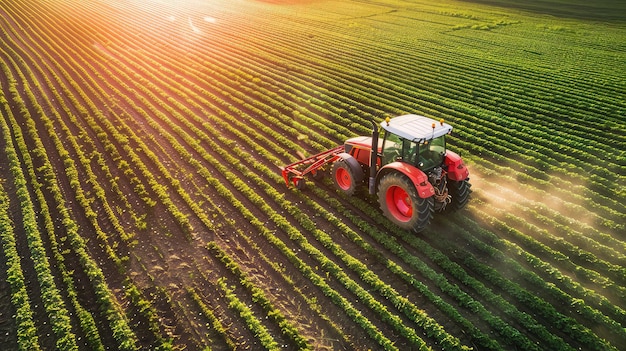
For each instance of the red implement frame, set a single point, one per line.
(297, 170)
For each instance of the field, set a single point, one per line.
(142, 205)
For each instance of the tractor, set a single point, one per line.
(409, 168)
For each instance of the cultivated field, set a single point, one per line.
(142, 206)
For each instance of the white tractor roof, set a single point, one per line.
(416, 127)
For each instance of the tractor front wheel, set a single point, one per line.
(400, 203)
(347, 174)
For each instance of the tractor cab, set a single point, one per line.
(415, 140)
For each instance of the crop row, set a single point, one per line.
(259, 297)
(510, 334)
(104, 295)
(527, 299)
(485, 241)
(50, 294)
(134, 159)
(493, 143)
(134, 295)
(50, 177)
(456, 89)
(599, 249)
(543, 138)
(198, 136)
(548, 84)
(26, 331)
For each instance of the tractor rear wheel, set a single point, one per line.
(347, 174)
(459, 192)
(400, 203)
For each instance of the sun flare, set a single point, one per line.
(180, 16)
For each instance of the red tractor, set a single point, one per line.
(411, 170)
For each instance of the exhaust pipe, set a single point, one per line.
(373, 158)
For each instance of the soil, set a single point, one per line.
(141, 117)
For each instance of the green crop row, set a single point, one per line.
(521, 166)
(27, 338)
(79, 79)
(259, 297)
(236, 230)
(255, 326)
(26, 330)
(86, 320)
(487, 294)
(150, 313)
(92, 271)
(509, 334)
(567, 324)
(49, 87)
(50, 294)
(540, 89)
(495, 247)
(214, 321)
(70, 165)
(435, 105)
(590, 256)
(575, 287)
(561, 250)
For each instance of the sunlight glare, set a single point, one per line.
(193, 28)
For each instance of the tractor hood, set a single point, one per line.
(364, 142)
(416, 127)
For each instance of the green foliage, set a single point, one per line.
(131, 132)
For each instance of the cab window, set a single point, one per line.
(431, 153)
(392, 148)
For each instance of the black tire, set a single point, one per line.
(300, 183)
(318, 174)
(459, 192)
(347, 174)
(400, 203)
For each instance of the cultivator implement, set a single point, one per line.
(295, 172)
